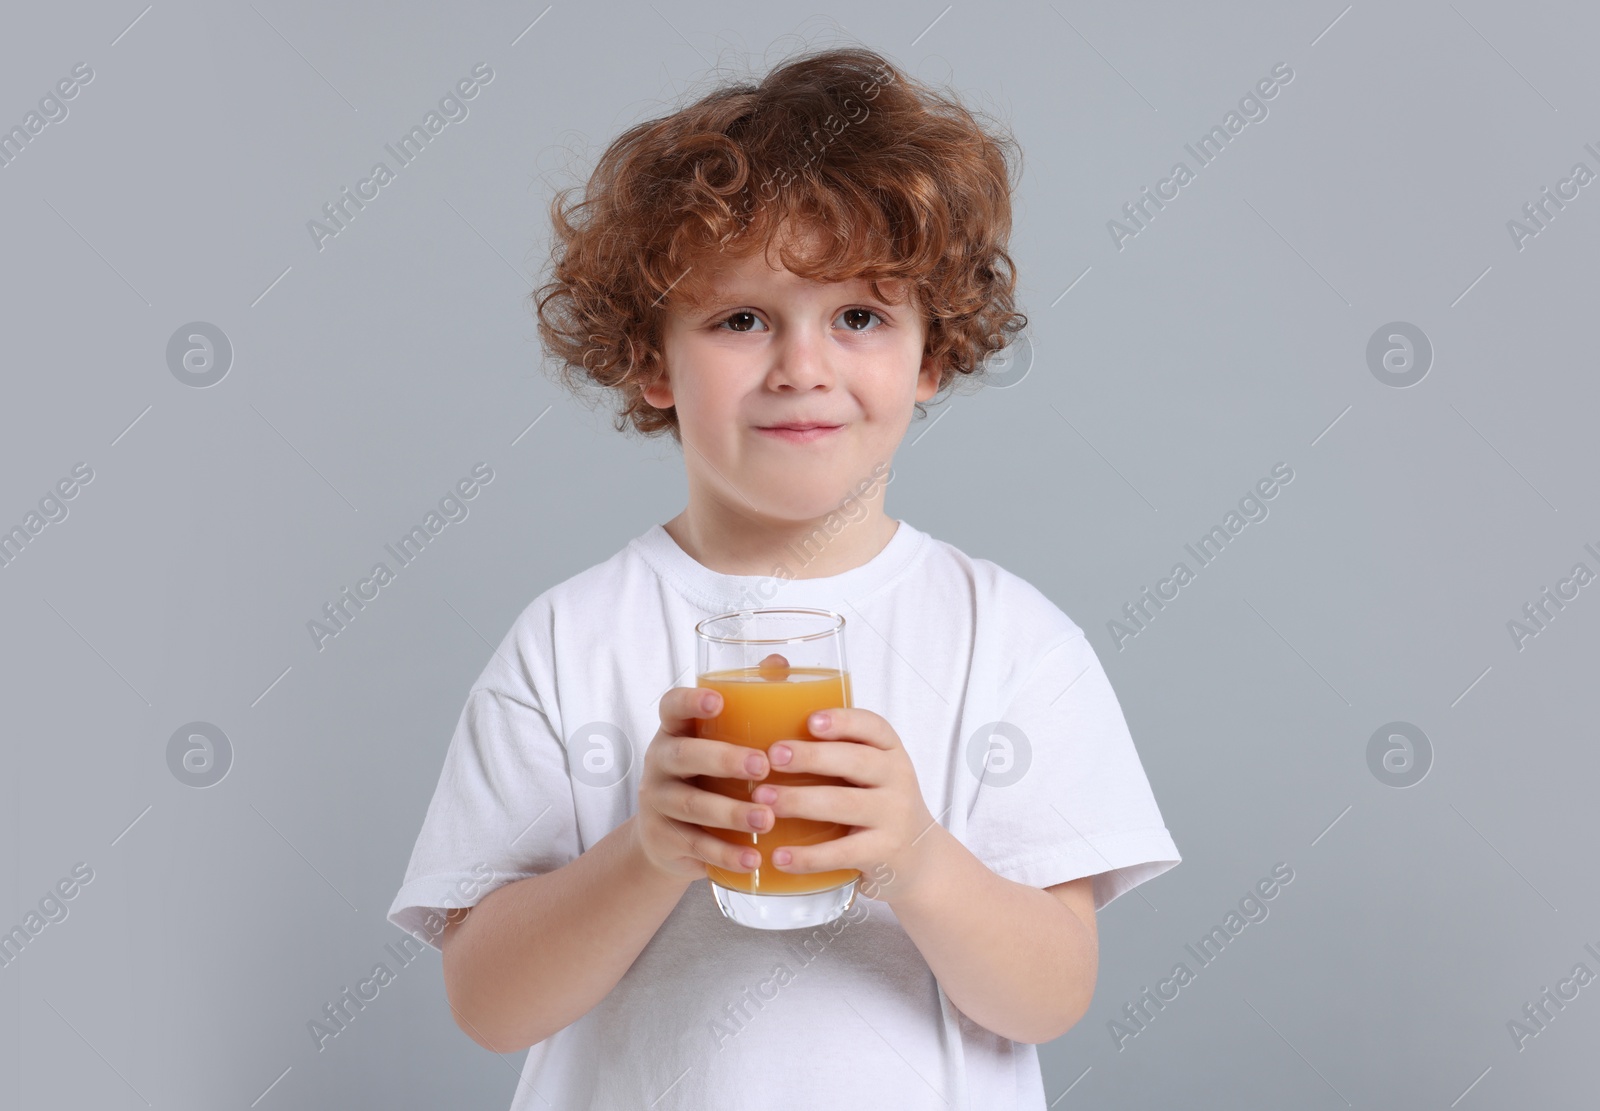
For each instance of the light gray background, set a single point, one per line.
(369, 376)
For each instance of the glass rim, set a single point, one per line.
(835, 628)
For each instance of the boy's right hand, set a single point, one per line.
(672, 809)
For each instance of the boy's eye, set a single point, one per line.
(743, 318)
(864, 316)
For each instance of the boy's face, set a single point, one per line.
(767, 349)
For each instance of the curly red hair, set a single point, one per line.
(903, 183)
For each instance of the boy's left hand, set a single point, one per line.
(882, 801)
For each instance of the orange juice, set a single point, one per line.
(761, 705)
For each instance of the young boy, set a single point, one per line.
(777, 276)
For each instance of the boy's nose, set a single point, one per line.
(801, 364)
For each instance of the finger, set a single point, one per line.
(858, 763)
(681, 706)
(713, 850)
(854, 724)
(684, 757)
(688, 803)
(733, 858)
(708, 848)
(841, 852)
(851, 806)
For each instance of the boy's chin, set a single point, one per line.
(835, 508)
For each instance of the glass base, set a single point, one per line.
(784, 912)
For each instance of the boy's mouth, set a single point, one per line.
(799, 432)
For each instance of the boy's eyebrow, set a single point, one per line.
(715, 295)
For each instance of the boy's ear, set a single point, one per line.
(927, 378)
(659, 391)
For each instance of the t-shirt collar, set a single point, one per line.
(720, 593)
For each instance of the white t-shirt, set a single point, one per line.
(945, 647)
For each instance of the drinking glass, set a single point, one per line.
(774, 668)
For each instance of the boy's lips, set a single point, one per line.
(799, 432)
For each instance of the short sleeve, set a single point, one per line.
(502, 811)
(1062, 792)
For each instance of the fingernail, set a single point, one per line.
(755, 764)
(782, 856)
(750, 859)
(709, 700)
(779, 755)
(758, 819)
(819, 721)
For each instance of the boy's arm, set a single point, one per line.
(537, 954)
(1021, 961)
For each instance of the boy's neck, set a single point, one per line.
(733, 545)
